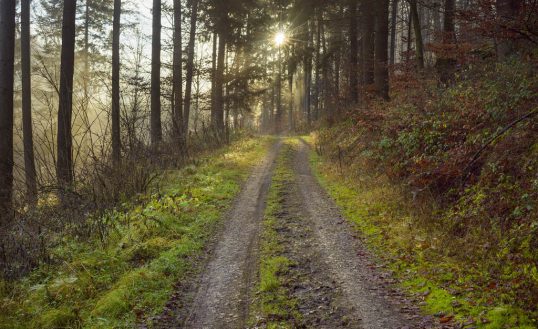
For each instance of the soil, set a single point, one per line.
(336, 281)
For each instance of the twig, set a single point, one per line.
(477, 155)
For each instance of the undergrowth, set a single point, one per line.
(451, 289)
(126, 277)
(275, 308)
(451, 207)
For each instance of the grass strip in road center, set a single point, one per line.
(274, 306)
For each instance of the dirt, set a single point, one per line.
(335, 280)
(365, 288)
(220, 296)
(320, 300)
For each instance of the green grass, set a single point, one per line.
(414, 252)
(275, 308)
(150, 247)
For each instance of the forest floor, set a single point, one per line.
(285, 257)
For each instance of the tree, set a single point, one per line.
(177, 79)
(507, 11)
(155, 118)
(415, 18)
(116, 137)
(28, 140)
(381, 49)
(393, 25)
(190, 65)
(368, 42)
(7, 58)
(446, 62)
(353, 50)
(222, 21)
(64, 167)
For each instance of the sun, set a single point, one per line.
(280, 38)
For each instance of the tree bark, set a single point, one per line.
(218, 110)
(116, 30)
(353, 52)
(7, 58)
(178, 76)
(446, 63)
(507, 11)
(317, 69)
(393, 24)
(368, 42)
(64, 168)
(26, 75)
(190, 65)
(156, 125)
(418, 34)
(381, 49)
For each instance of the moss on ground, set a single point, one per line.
(275, 308)
(414, 251)
(151, 245)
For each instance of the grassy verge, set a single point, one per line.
(451, 289)
(129, 275)
(274, 307)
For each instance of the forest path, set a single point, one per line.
(359, 294)
(223, 293)
(335, 280)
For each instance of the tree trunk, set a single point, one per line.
(393, 25)
(190, 66)
(213, 73)
(178, 76)
(279, 114)
(7, 58)
(317, 69)
(116, 137)
(290, 115)
(87, 38)
(218, 111)
(418, 34)
(353, 52)
(308, 74)
(64, 168)
(26, 75)
(507, 11)
(446, 62)
(368, 42)
(381, 49)
(156, 125)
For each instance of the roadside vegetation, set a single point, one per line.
(125, 277)
(442, 182)
(274, 306)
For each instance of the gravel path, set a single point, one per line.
(223, 295)
(336, 281)
(374, 303)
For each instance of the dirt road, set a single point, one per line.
(335, 280)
